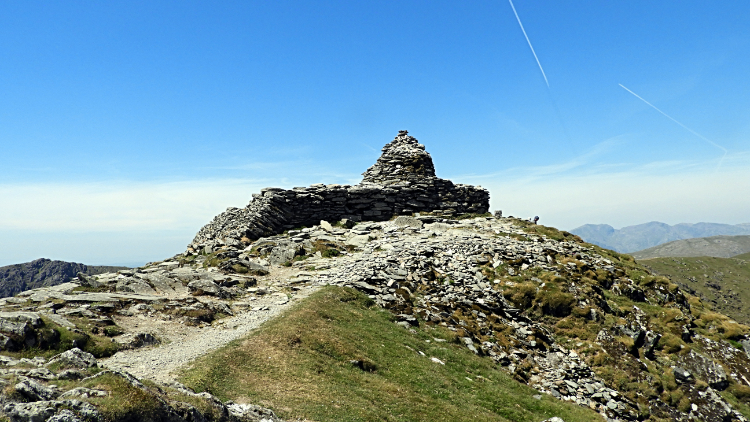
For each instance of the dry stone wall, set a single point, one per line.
(402, 181)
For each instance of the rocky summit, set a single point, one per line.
(402, 182)
(574, 321)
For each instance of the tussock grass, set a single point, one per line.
(301, 366)
(724, 283)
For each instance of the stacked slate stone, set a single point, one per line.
(401, 182)
(403, 160)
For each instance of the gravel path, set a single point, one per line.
(183, 344)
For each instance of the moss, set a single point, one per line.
(330, 253)
(112, 331)
(240, 269)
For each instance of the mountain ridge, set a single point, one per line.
(44, 272)
(713, 246)
(643, 236)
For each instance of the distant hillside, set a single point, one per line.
(724, 282)
(716, 246)
(642, 236)
(43, 272)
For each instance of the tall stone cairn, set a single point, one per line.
(401, 182)
(403, 159)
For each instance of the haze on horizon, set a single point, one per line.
(125, 127)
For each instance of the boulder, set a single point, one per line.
(404, 221)
(358, 240)
(649, 344)
(746, 346)
(134, 285)
(134, 341)
(35, 391)
(326, 226)
(285, 251)
(73, 358)
(17, 329)
(705, 369)
(52, 410)
(683, 376)
(87, 280)
(204, 287)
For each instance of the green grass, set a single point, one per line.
(703, 274)
(55, 339)
(124, 402)
(300, 366)
(550, 232)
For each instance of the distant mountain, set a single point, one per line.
(716, 246)
(642, 236)
(43, 272)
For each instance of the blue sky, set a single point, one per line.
(126, 126)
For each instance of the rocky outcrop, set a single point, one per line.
(43, 272)
(402, 181)
(554, 313)
(36, 397)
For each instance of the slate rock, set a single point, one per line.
(35, 391)
(405, 221)
(204, 287)
(326, 226)
(682, 375)
(43, 411)
(64, 415)
(136, 340)
(284, 252)
(358, 240)
(706, 369)
(134, 285)
(73, 358)
(83, 392)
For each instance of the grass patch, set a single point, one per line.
(53, 339)
(549, 232)
(724, 283)
(336, 357)
(124, 401)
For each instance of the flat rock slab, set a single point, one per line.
(95, 297)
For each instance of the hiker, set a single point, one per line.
(536, 218)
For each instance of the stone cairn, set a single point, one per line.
(401, 182)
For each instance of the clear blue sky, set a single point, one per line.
(126, 126)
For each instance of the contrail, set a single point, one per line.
(528, 41)
(674, 120)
